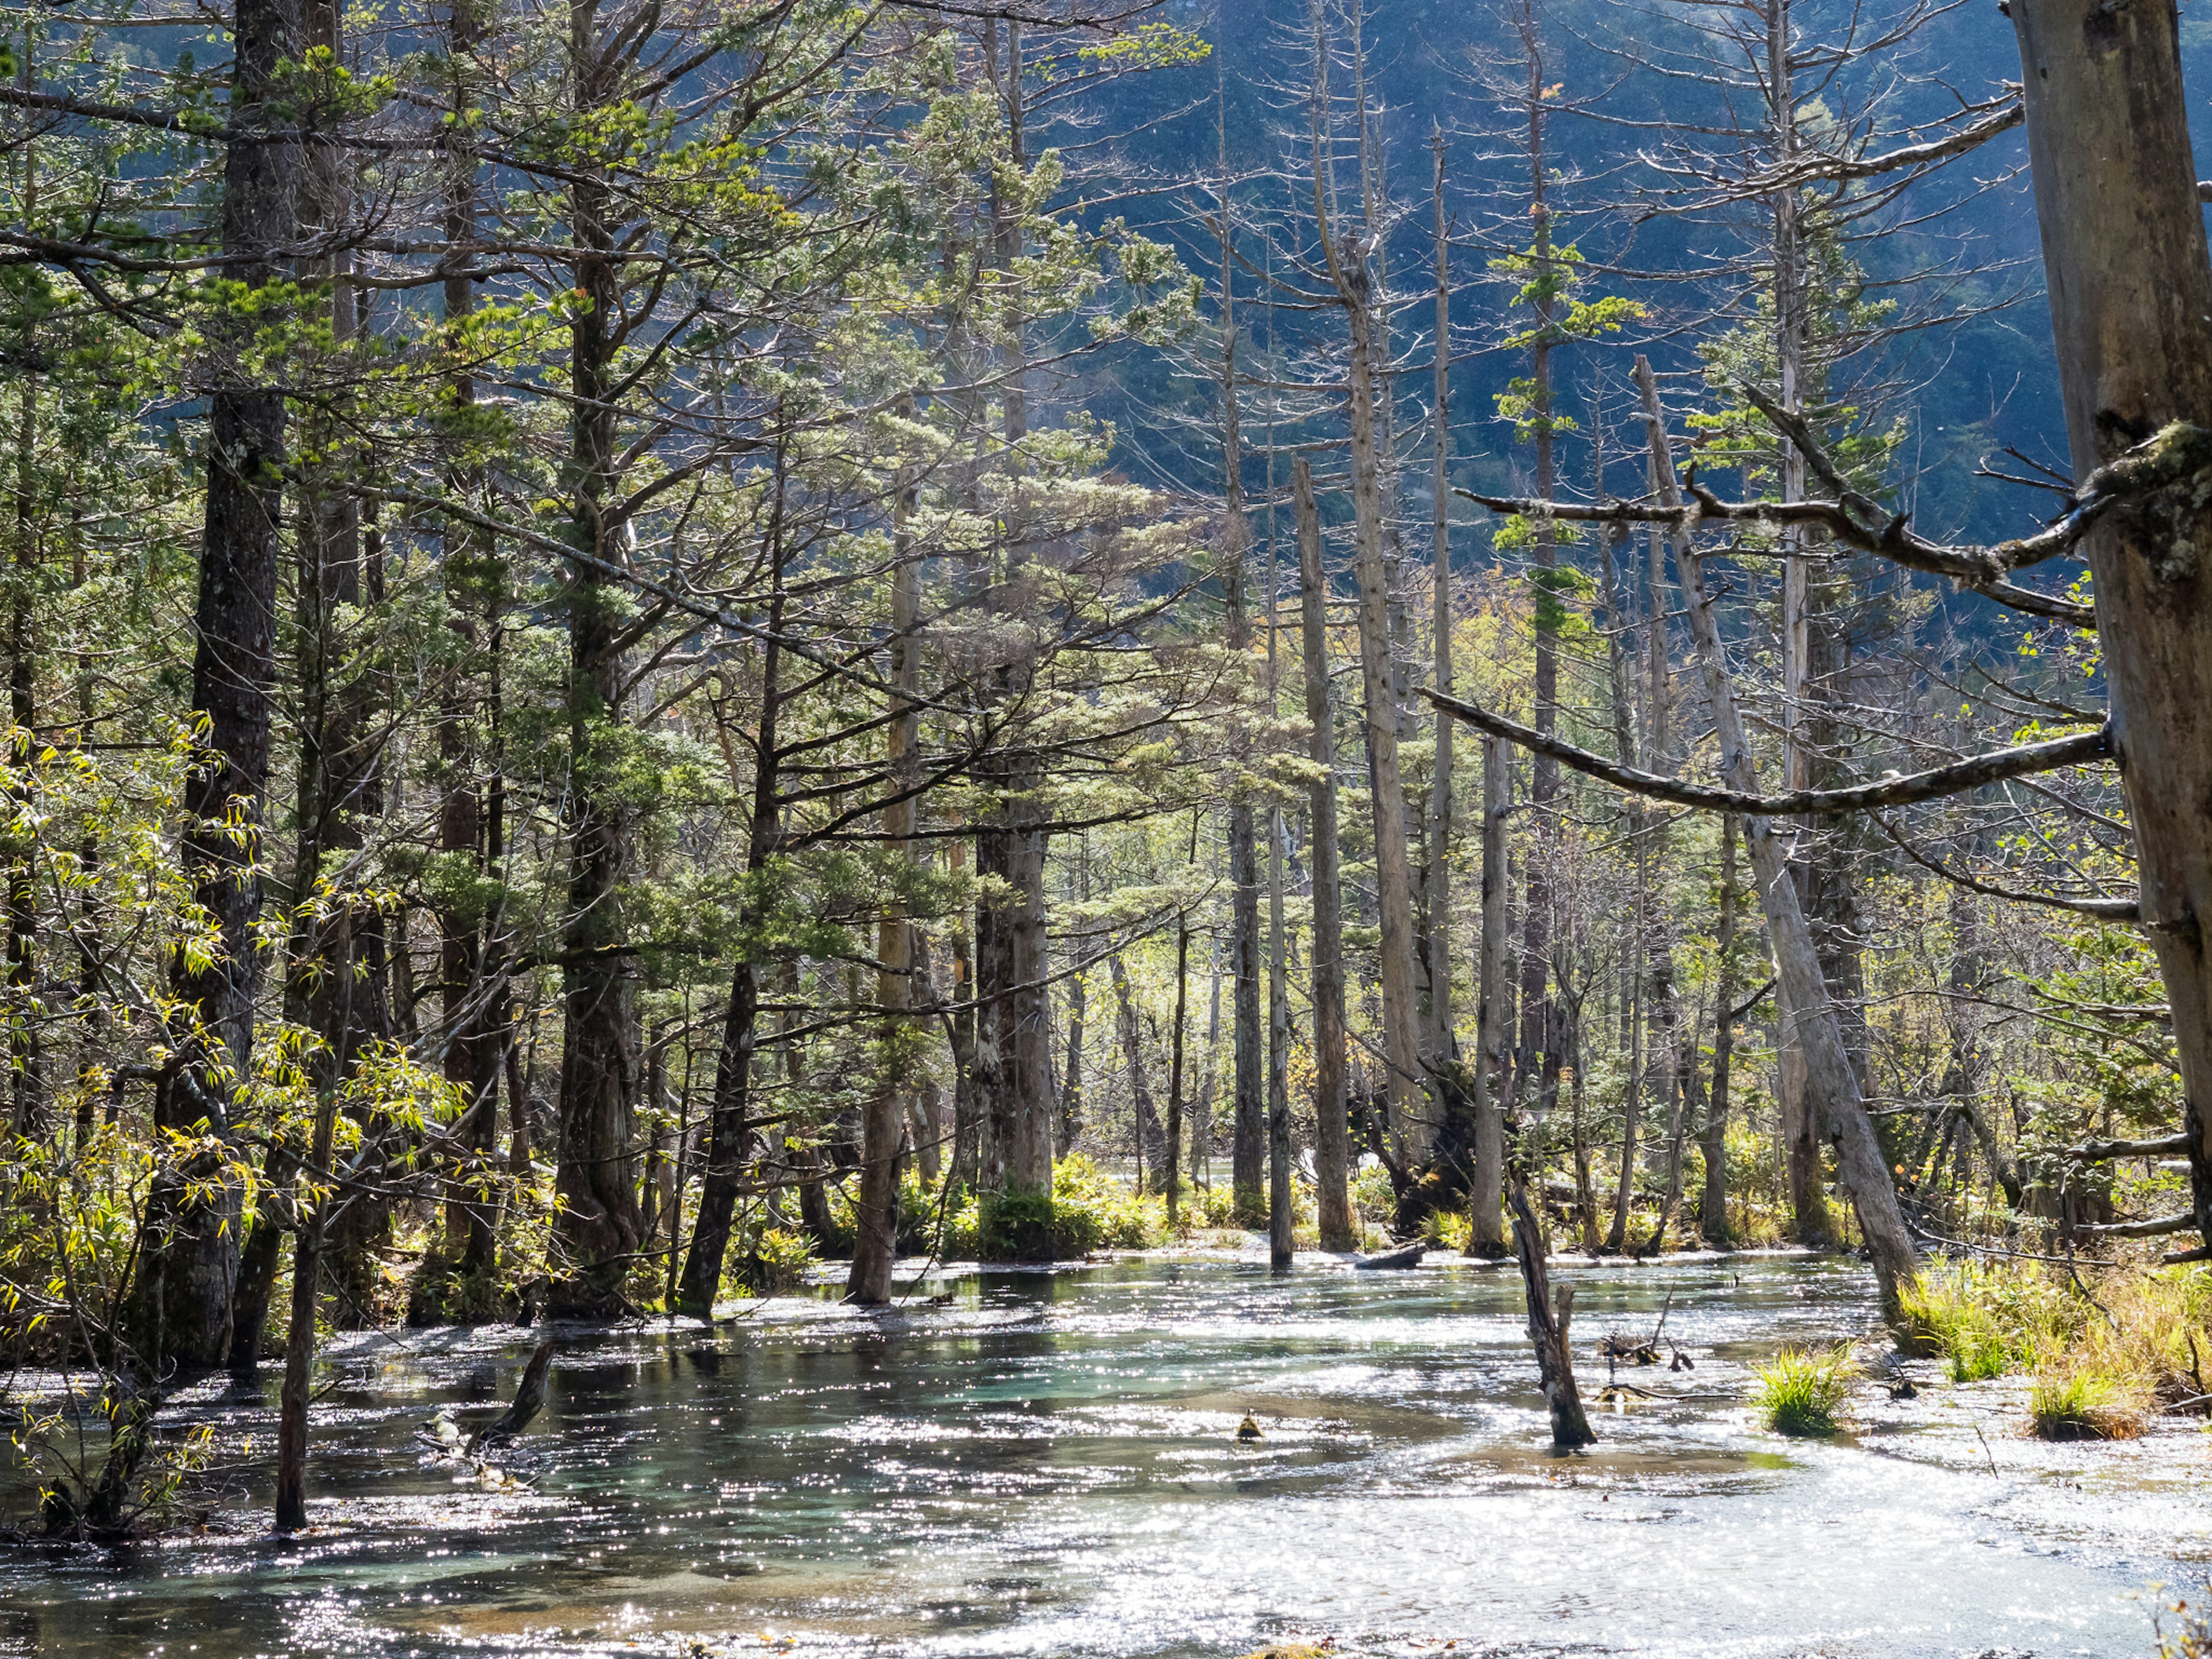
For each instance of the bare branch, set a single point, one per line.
(1893, 790)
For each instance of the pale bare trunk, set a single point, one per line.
(1332, 1142)
(1832, 1088)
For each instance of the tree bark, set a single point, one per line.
(2130, 286)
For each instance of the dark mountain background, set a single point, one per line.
(1961, 389)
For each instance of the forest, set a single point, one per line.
(698, 685)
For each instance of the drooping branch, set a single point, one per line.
(1892, 790)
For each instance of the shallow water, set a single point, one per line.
(1048, 1467)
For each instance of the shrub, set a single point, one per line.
(1448, 1230)
(1802, 1391)
(778, 1262)
(1373, 1198)
(1088, 1210)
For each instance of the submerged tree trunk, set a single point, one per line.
(1549, 1318)
(300, 1330)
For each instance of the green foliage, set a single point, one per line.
(1087, 1210)
(1802, 1390)
(778, 1260)
(1989, 1318)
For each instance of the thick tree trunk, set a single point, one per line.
(597, 1232)
(475, 1001)
(1405, 1108)
(1832, 1089)
(1331, 1138)
(2130, 286)
(185, 1311)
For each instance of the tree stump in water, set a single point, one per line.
(1547, 1325)
(529, 1401)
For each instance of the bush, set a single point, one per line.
(1088, 1210)
(1448, 1230)
(1802, 1391)
(2075, 1403)
(1373, 1198)
(778, 1260)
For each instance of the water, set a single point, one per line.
(1050, 1468)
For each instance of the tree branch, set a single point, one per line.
(1893, 790)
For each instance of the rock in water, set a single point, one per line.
(529, 1401)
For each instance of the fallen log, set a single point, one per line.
(1409, 1256)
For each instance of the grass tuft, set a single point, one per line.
(1802, 1391)
(2072, 1403)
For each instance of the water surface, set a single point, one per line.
(1049, 1467)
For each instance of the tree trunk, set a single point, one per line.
(300, 1330)
(192, 1229)
(876, 1216)
(1332, 1137)
(597, 1231)
(2125, 258)
(730, 1136)
(1832, 1089)
(1712, 1214)
(1280, 1227)
(1486, 1233)
(1441, 1045)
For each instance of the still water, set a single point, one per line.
(1048, 1467)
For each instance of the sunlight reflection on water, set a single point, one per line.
(1049, 1467)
